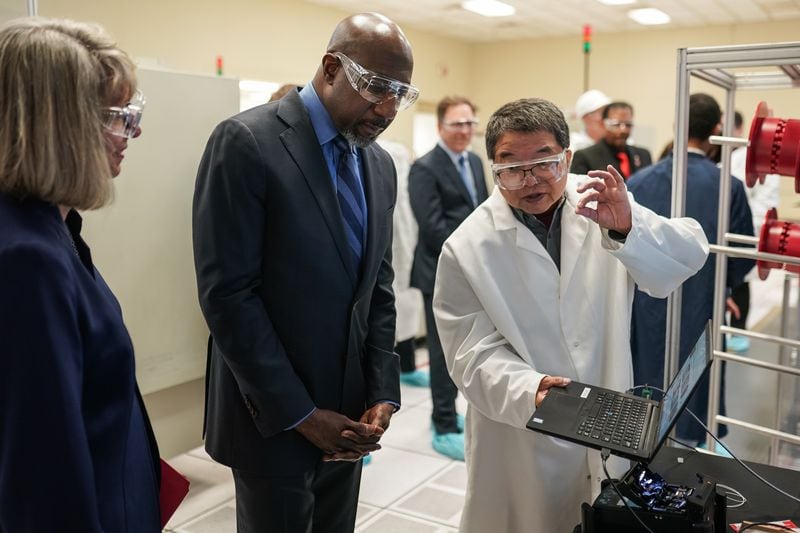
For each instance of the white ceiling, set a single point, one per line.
(548, 18)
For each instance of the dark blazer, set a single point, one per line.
(601, 154)
(76, 448)
(440, 202)
(293, 326)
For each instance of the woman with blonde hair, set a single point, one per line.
(77, 451)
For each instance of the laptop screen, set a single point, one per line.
(683, 385)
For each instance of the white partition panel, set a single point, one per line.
(142, 244)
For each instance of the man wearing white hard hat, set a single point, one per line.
(589, 108)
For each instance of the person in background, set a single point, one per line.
(408, 300)
(77, 449)
(533, 290)
(761, 198)
(444, 185)
(613, 149)
(652, 188)
(282, 91)
(589, 109)
(292, 231)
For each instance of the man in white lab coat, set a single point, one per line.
(532, 290)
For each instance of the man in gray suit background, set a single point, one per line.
(444, 186)
(292, 225)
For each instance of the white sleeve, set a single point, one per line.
(660, 253)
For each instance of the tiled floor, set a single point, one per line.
(409, 488)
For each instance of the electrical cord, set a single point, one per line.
(767, 483)
(604, 453)
(732, 492)
(757, 476)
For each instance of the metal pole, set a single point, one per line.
(721, 263)
(585, 71)
(33, 8)
(679, 163)
(785, 310)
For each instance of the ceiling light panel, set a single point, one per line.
(649, 16)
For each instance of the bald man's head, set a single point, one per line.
(366, 30)
(377, 45)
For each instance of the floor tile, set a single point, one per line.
(433, 503)
(453, 477)
(222, 519)
(390, 522)
(411, 431)
(393, 473)
(211, 484)
(200, 452)
(365, 512)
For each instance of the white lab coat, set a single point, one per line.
(408, 300)
(506, 319)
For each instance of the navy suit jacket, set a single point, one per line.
(293, 325)
(652, 188)
(76, 448)
(440, 202)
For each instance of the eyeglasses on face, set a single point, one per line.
(460, 124)
(124, 121)
(612, 124)
(376, 88)
(513, 176)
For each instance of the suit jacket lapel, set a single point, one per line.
(373, 190)
(451, 173)
(480, 182)
(303, 146)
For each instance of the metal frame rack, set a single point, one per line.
(714, 64)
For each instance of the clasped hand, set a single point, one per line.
(613, 210)
(343, 439)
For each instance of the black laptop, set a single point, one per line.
(629, 426)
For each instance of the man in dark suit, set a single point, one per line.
(444, 186)
(613, 149)
(292, 236)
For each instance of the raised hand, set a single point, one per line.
(613, 209)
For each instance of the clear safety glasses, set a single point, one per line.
(513, 176)
(124, 121)
(612, 124)
(376, 88)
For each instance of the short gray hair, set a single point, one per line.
(528, 115)
(55, 77)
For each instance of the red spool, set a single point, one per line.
(778, 237)
(774, 147)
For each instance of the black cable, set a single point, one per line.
(770, 524)
(767, 483)
(604, 453)
(681, 443)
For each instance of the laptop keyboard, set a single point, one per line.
(614, 419)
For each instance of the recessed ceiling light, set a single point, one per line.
(489, 8)
(617, 2)
(649, 16)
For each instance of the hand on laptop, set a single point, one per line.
(547, 383)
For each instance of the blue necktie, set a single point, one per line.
(467, 179)
(349, 194)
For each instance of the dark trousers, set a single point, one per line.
(443, 390)
(741, 297)
(405, 350)
(322, 500)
